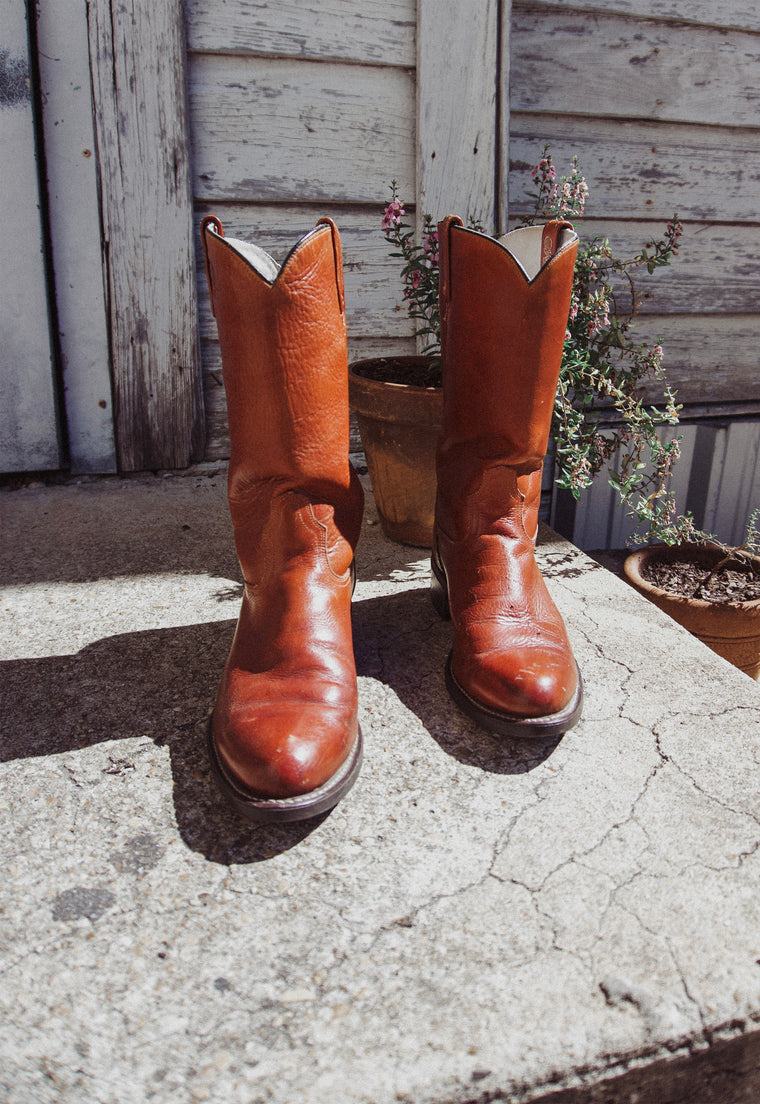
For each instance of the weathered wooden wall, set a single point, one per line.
(136, 54)
(659, 100)
(81, 313)
(29, 437)
(299, 110)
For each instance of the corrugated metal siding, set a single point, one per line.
(717, 480)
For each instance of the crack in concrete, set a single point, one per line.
(410, 918)
(666, 942)
(700, 789)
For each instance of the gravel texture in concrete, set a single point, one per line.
(478, 920)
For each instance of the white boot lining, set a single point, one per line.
(257, 258)
(525, 246)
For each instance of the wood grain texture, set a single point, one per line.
(707, 359)
(82, 309)
(376, 34)
(739, 14)
(580, 63)
(715, 272)
(374, 305)
(28, 415)
(144, 170)
(457, 77)
(644, 170)
(300, 131)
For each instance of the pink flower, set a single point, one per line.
(430, 245)
(543, 171)
(432, 237)
(674, 230)
(393, 214)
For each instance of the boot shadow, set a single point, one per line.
(159, 684)
(400, 640)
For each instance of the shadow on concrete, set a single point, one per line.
(117, 528)
(160, 684)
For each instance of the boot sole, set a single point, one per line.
(281, 810)
(493, 720)
(510, 724)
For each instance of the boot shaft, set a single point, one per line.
(282, 334)
(504, 309)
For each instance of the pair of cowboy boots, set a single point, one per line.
(284, 737)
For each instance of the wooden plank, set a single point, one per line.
(374, 303)
(644, 170)
(710, 362)
(217, 430)
(330, 29)
(28, 418)
(715, 271)
(138, 79)
(299, 131)
(457, 48)
(650, 70)
(504, 120)
(81, 308)
(741, 14)
(363, 348)
(707, 359)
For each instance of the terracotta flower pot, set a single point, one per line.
(399, 426)
(732, 629)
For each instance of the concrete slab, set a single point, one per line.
(477, 921)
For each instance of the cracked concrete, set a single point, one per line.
(568, 921)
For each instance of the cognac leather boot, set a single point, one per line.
(284, 738)
(504, 309)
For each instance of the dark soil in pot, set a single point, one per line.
(725, 611)
(732, 582)
(414, 371)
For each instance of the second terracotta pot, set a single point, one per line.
(732, 629)
(399, 425)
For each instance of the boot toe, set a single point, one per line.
(278, 755)
(519, 685)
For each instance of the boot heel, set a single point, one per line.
(439, 591)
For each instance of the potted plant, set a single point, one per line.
(712, 589)
(398, 401)
(599, 414)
